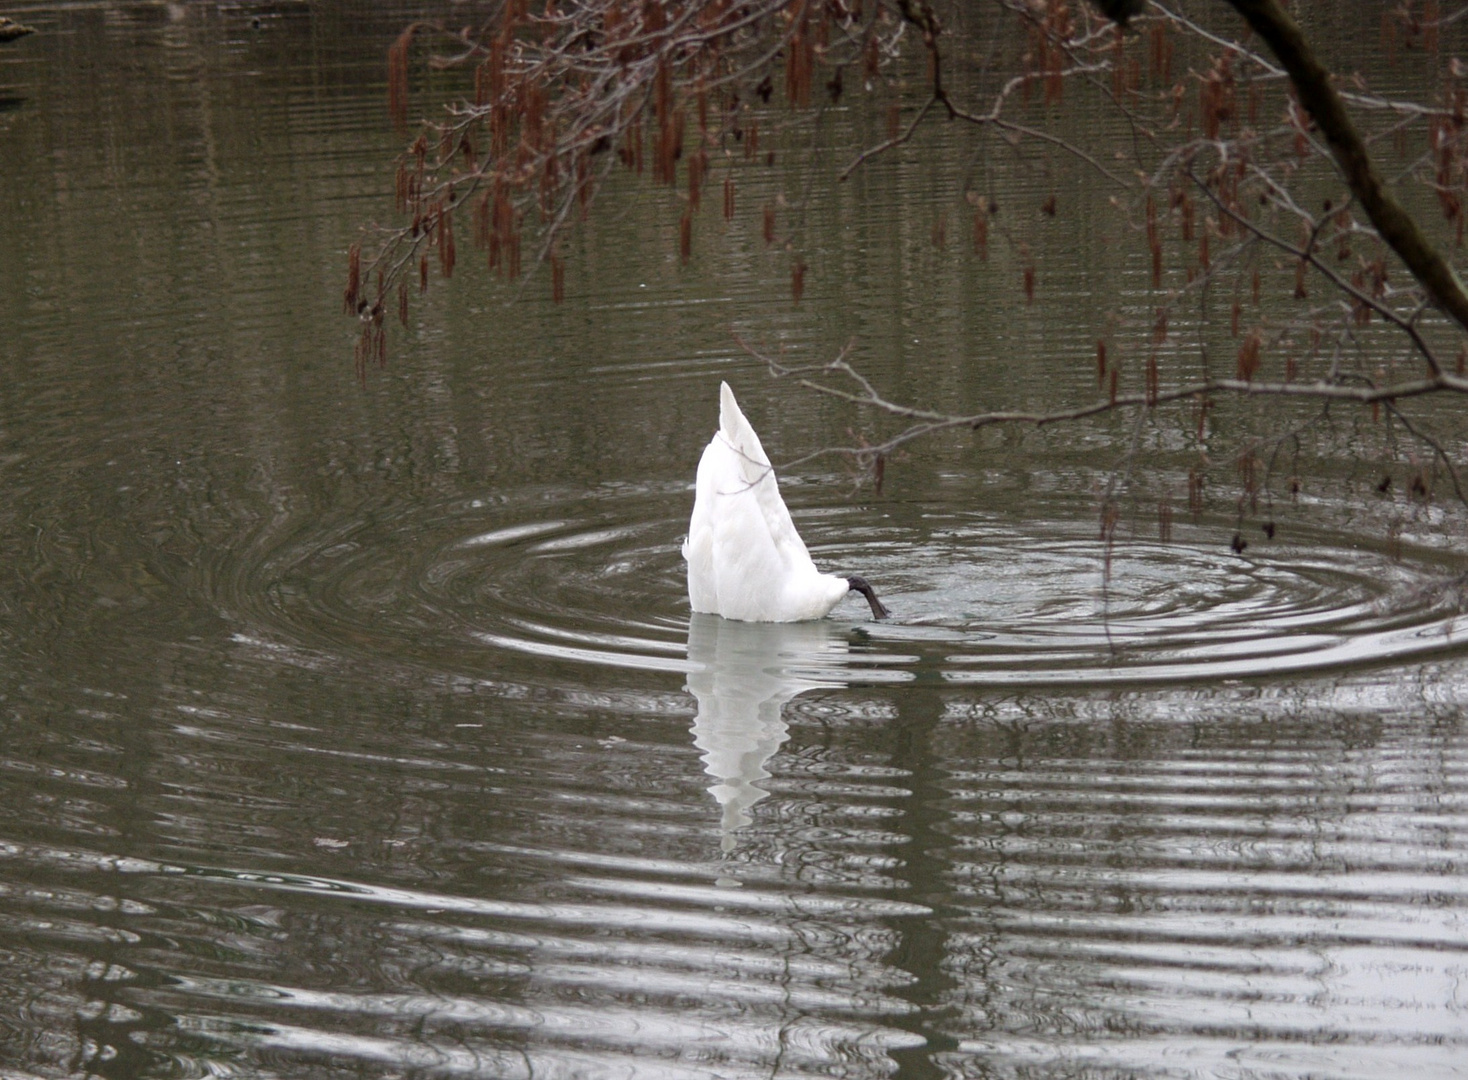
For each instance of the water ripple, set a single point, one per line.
(594, 578)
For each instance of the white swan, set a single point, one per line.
(745, 559)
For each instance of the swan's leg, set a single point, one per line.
(860, 585)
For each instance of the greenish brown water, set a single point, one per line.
(362, 729)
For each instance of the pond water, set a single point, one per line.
(361, 728)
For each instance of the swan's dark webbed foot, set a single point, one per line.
(856, 584)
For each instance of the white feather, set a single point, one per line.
(745, 559)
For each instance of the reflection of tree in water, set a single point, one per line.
(1213, 129)
(743, 675)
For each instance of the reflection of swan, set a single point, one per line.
(745, 559)
(742, 675)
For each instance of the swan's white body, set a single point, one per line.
(745, 559)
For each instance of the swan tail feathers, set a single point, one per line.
(740, 435)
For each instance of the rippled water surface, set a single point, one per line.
(362, 729)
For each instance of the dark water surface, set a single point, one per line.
(362, 730)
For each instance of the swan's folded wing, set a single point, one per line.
(748, 567)
(735, 567)
(698, 549)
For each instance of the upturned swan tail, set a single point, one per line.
(754, 465)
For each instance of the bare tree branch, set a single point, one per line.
(1308, 253)
(929, 422)
(1312, 82)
